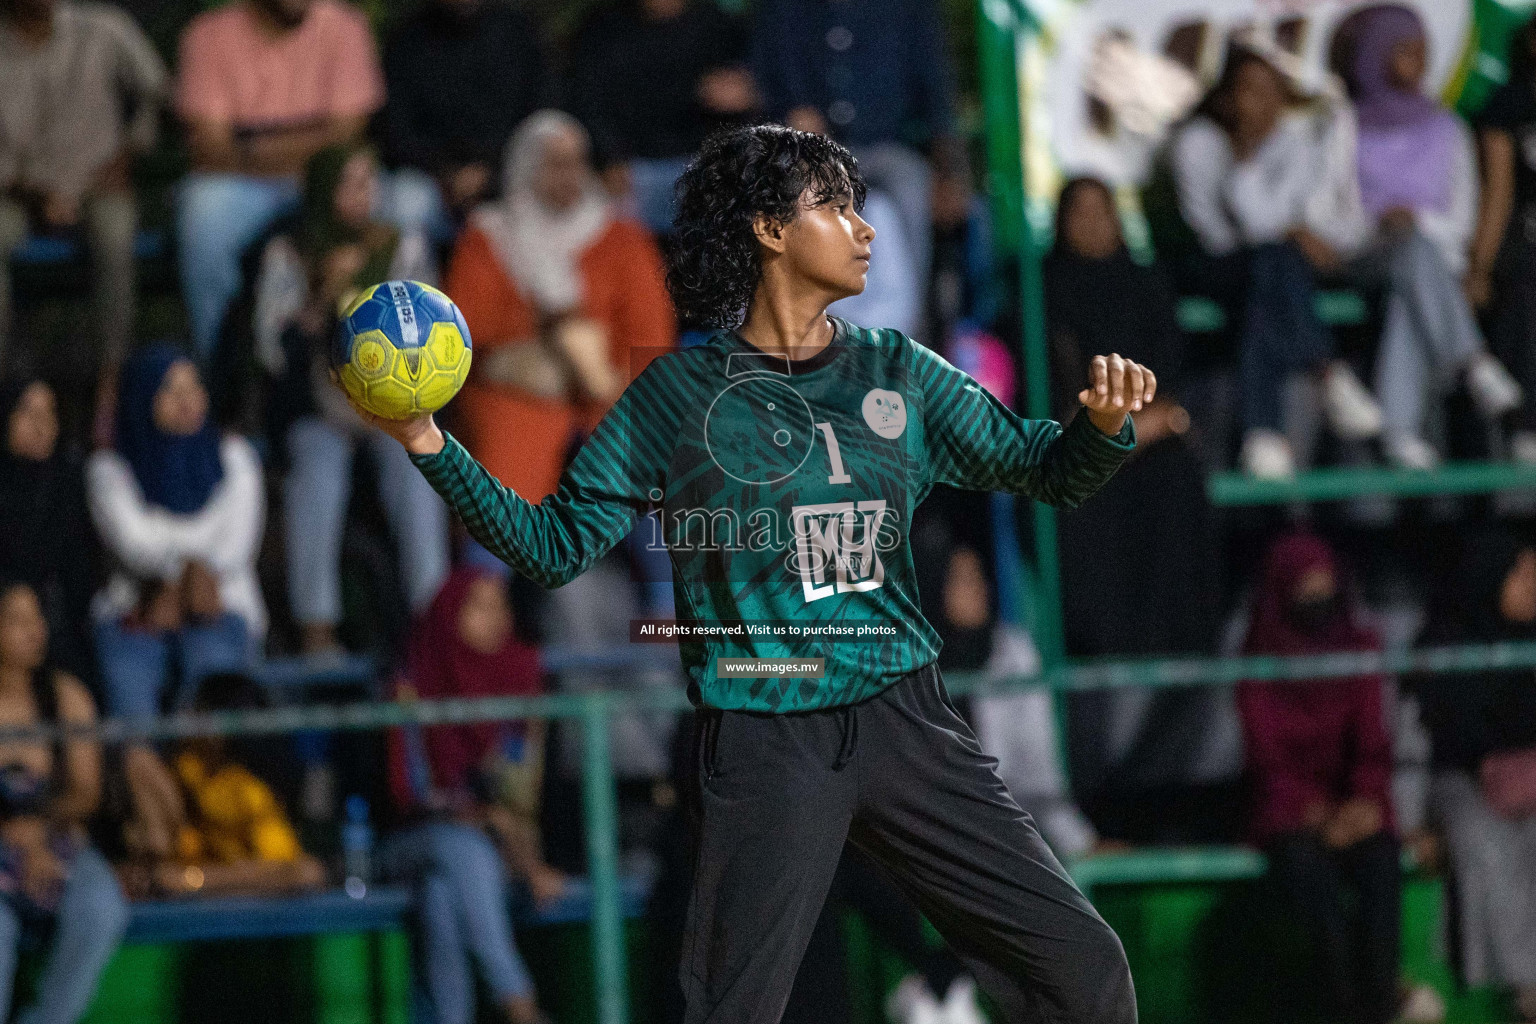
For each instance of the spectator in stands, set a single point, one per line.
(1267, 195)
(567, 301)
(474, 789)
(1143, 762)
(234, 836)
(1019, 729)
(47, 792)
(461, 76)
(1418, 184)
(180, 511)
(262, 85)
(47, 540)
(1501, 272)
(1482, 727)
(875, 75)
(328, 250)
(650, 79)
(80, 93)
(1321, 765)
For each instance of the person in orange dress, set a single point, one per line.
(566, 301)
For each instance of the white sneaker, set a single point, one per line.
(1493, 390)
(1409, 451)
(910, 1002)
(960, 1006)
(1351, 410)
(1267, 455)
(1423, 1005)
(1522, 447)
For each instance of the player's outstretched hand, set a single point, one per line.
(419, 433)
(1116, 387)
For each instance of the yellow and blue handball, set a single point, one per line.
(401, 348)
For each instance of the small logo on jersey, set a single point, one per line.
(885, 412)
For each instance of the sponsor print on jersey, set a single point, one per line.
(835, 551)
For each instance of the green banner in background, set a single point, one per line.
(1486, 66)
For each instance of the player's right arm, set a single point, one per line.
(607, 486)
(977, 443)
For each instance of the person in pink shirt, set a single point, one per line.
(262, 85)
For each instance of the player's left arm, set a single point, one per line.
(977, 443)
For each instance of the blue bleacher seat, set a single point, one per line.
(195, 919)
(51, 250)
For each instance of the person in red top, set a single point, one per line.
(471, 793)
(262, 86)
(566, 300)
(1320, 763)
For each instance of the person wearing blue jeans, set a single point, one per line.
(48, 790)
(461, 890)
(137, 663)
(88, 925)
(316, 490)
(412, 200)
(217, 217)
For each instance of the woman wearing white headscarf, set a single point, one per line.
(566, 300)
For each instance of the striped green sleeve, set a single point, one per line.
(606, 487)
(977, 443)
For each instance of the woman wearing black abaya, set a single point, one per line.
(1482, 729)
(1144, 762)
(46, 540)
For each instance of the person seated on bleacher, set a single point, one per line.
(1482, 728)
(180, 510)
(567, 301)
(47, 540)
(471, 794)
(1320, 764)
(875, 75)
(227, 832)
(48, 789)
(1501, 273)
(312, 264)
(461, 75)
(1267, 200)
(80, 93)
(1145, 763)
(262, 85)
(650, 79)
(1418, 185)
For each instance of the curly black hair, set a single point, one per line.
(713, 259)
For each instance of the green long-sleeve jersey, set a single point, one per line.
(784, 490)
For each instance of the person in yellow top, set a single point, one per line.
(214, 826)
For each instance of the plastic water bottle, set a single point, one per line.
(357, 847)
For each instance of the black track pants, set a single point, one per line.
(902, 777)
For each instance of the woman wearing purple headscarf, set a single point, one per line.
(1418, 184)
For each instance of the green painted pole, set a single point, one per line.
(602, 816)
(1004, 28)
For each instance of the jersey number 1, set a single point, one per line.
(839, 476)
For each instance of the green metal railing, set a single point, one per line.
(594, 710)
(1338, 483)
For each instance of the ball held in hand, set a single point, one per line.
(401, 347)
